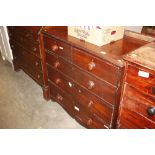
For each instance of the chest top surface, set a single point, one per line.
(112, 52)
(144, 56)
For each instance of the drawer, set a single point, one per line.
(60, 80)
(59, 63)
(25, 34)
(63, 98)
(26, 57)
(139, 103)
(30, 46)
(132, 120)
(96, 86)
(34, 74)
(58, 47)
(141, 78)
(29, 29)
(100, 68)
(94, 107)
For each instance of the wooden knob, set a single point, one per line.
(91, 65)
(21, 39)
(36, 63)
(91, 85)
(57, 81)
(90, 103)
(27, 35)
(59, 97)
(55, 48)
(89, 122)
(56, 64)
(34, 49)
(38, 76)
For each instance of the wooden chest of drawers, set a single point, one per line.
(137, 108)
(84, 79)
(25, 42)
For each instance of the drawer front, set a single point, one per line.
(132, 120)
(29, 29)
(59, 64)
(105, 91)
(138, 102)
(25, 34)
(58, 47)
(60, 80)
(100, 68)
(27, 44)
(63, 98)
(26, 57)
(94, 107)
(141, 78)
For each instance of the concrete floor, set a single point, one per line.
(22, 104)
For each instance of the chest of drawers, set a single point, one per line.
(25, 42)
(84, 79)
(137, 109)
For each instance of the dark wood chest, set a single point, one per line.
(84, 79)
(137, 109)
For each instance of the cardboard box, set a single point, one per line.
(98, 35)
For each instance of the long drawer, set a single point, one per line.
(26, 43)
(25, 57)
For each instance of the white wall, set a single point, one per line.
(134, 28)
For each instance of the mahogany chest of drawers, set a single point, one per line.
(84, 79)
(25, 44)
(137, 109)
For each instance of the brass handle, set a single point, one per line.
(91, 85)
(91, 65)
(57, 81)
(61, 48)
(55, 48)
(59, 97)
(56, 64)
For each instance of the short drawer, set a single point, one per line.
(26, 44)
(132, 120)
(60, 48)
(60, 80)
(141, 78)
(91, 105)
(139, 103)
(100, 68)
(63, 98)
(96, 86)
(59, 63)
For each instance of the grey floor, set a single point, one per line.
(22, 104)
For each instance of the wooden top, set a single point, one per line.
(144, 56)
(112, 52)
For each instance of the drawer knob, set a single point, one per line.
(55, 48)
(59, 97)
(91, 65)
(27, 35)
(34, 49)
(21, 39)
(38, 76)
(56, 64)
(57, 81)
(91, 85)
(61, 48)
(89, 122)
(90, 103)
(36, 63)
(151, 111)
